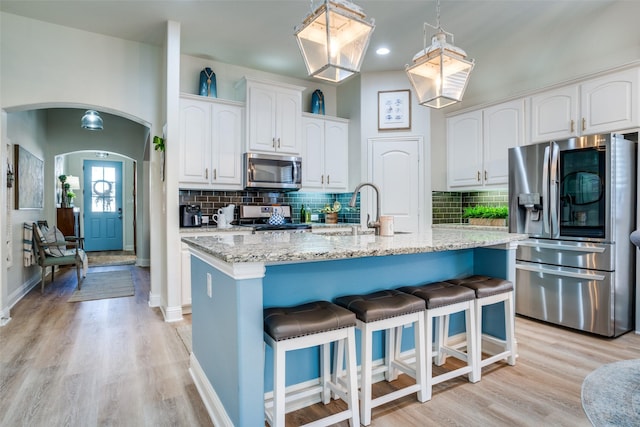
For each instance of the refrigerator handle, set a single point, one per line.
(545, 191)
(554, 214)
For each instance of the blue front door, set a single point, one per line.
(102, 205)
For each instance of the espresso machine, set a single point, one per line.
(190, 216)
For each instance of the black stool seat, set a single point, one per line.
(381, 305)
(484, 286)
(440, 294)
(283, 323)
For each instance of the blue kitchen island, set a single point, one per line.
(234, 277)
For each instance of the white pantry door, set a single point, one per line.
(395, 167)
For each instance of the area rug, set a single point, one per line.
(611, 394)
(106, 284)
(184, 332)
(103, 259)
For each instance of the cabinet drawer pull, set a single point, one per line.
(215, 174)
(322, 179)
(478, 176)
(273, 142)
(573, 125)
(206, 173)
(328, 179)
(584, 124)
(486, 176)
(278, 142)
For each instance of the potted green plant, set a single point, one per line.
(331, 212)
(70, 196)
(487, 215)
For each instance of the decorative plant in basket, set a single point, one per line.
(331, 212)
(487, 215)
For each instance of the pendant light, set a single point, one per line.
(440, 72)
(333, 40)
(91, 120)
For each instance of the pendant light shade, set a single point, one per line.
(333, 40)
(439, 73)
(91, 120)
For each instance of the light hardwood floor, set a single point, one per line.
(115, 362)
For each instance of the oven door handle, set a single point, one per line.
(593, 249)
(563, 273)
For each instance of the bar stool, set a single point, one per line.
(309, 325)
(443, 299)
(386, 310)
(488, 291)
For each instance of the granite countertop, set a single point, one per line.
(274, 248)
(471, 227)
(212, 228)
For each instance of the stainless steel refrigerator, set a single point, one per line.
(576, 199)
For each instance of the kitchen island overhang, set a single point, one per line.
(235, 277)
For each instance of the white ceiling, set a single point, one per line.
(259, 34)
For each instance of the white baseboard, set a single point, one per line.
(143, 262)
(154, 300)
(5, 316)
(26, 287)
(171, 314)
(211, 401)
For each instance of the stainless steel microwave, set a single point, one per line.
(272, 172)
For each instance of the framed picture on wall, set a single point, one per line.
(394, 110)
(29, 171)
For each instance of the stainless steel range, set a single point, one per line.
(270, 218)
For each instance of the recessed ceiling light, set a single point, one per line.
(382, 51)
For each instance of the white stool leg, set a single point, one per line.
(365, 374)
(279, 355)
(352, 380)
(338, 361)
(509, 321)
(393, 344)
(421, 358)
(473, 324)
(441, 339)
(428, 345)
(325, 372)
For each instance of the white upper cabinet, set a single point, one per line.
(274, 116)
(195, 141)
(478, 144)
(211, 143)
(554, 114)
(610, 103)
(464, 150)
(325, 153)
(503, 128)
(604, 104)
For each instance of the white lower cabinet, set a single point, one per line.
(211, 135)
(325, 153)
(185, 263)
(478, 144)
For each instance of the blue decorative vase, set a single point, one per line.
(208, 83)
(317, 102)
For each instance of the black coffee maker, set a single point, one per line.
(190, 216)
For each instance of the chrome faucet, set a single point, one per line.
(352, 203)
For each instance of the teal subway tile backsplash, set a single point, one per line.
(211, 201)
